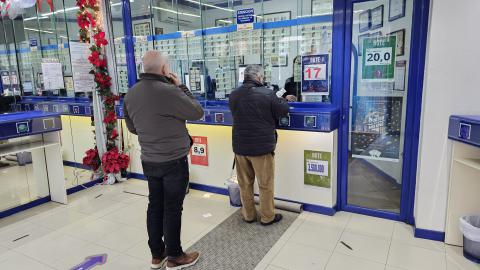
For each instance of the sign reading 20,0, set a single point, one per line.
(378, 63)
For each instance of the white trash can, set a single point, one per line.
(470, 227)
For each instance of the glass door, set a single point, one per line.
(380, 33)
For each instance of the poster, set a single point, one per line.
(245, 19)
(81, 67)
(317, 168)
(378, 63)
(376, 127)
(199, 151)
(52, 75)
(315, 74)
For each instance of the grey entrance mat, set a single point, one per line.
(237, 245)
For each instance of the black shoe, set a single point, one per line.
(276, 219)
(249, 221)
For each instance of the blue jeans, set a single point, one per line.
(167, 184)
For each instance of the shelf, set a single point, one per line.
(13, 148)
(470, 162)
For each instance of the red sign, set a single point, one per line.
(199, 151)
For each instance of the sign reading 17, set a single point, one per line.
(314, 72)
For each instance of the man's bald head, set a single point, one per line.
(156, 63)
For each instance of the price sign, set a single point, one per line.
(317, 168)
(379, 56)
(199, 151)
(315, 74)
(378, 63)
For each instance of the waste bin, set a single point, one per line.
(470, 227)
(24, 158)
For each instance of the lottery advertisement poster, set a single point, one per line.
(376, 128)
(315, 74)
(199, 151)
(317, 168)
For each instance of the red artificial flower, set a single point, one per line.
(92, 3)
(113, 161)
(114, 134)
(94, 58)
(92, 159)
(110, 118)
(83, 22)
(100, 39)
(110, 100)
(103, 80)
(81, 3)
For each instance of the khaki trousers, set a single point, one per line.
(263, 168)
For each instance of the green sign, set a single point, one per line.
(378, 63)
(317, 168)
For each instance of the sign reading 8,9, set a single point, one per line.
(199, 150)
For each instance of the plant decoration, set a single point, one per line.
(113, 161)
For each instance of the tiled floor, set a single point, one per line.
(105, 219)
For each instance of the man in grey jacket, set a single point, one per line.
(156, 109)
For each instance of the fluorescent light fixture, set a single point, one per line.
(36, 30)
(60, 11)
(209, 5)
(116, 4)
(225, 21)
(176, 12)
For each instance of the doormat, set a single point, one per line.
(235, 244)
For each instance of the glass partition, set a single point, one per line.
(207, 51)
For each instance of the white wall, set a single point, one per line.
(451, 87)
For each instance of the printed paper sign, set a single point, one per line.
(81, 67)
(317, 166)
(379, 59)
(52, 76)
(315, 74)
(245, 19)
(199, 151)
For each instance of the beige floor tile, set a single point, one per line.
(340, 261)
(415, 258)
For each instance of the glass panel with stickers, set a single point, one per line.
(208, 49)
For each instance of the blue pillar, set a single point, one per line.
(129, 49)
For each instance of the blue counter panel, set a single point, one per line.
(64, 106)
(465, 128)
(20, 124)
(301, 117)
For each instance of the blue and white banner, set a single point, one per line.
(315, 74)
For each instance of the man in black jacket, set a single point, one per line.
(156, 109)
(256, 111)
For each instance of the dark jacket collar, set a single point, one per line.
(251, 83)
(156, 77)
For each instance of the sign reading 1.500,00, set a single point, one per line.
(379, 59)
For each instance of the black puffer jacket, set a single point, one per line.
(255, 111)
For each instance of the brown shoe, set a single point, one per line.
(159, 263)
(183, 261)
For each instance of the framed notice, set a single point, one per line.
(396, 9)
(322, 7)
(400, 48)
(364, 21)
(315, 74)
(141, 29)
(376, 16)
(199, 151)
(317, 168)
(378, 63)
(400, 74)
(360, 43)
(277, 16)
(279, 61)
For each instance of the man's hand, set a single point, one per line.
(291, 98)
(175, 79)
